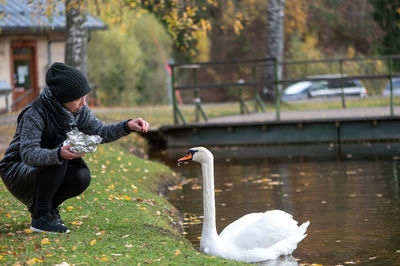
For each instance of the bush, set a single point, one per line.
(126, 63)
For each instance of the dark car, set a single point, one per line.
(395, 85)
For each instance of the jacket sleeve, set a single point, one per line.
(89, 124)
(32, 126)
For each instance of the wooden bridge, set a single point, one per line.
(331, 127)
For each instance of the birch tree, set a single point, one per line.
(274, 44)
(76, 34)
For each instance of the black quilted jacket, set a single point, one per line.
(41, 130)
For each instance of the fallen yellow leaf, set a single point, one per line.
(99, 233)
(93, 242)
(31, 262)
(28, 231)
(45, 241)
(177, 253)
(104, 259)
(70, 208)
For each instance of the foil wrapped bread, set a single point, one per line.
(82, 143)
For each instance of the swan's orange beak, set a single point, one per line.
(186, 158)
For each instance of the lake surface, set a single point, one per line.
(351, 196)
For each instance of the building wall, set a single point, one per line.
(58, 51)
(42, 60)
(5, 71)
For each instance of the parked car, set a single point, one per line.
(396, 87)
(297, 91)
(351, 87)
(324, 88)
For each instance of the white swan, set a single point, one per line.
(255, 237)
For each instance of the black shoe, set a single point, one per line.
(47, 223)
(56, 214)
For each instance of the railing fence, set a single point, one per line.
(249, 74)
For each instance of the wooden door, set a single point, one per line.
(23, 73)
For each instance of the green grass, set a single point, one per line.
(120, 219)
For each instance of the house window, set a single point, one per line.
(22, 69)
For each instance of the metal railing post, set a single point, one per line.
(391, 86)
(196, 94)
(258, 104)
(174, 103)
(341, 83)
(243, 106)
(278, 100)
(176, 110)
(199, 110)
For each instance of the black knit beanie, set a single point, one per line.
(66, 83)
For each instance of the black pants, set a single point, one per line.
(58, 183)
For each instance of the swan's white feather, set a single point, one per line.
(254, 237)
(260, 236)
(259, 230)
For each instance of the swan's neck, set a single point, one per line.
(209, 226)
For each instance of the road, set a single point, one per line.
(309, 115)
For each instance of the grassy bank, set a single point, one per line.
(120, 219)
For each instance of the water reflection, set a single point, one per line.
(351, 197)
(281, 261)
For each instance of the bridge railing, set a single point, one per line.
(239, 76)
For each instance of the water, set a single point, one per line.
(351, 199)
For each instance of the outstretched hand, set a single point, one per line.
(138, 124)
(67, 154)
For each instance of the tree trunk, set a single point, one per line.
(275, 45)
(76, 34)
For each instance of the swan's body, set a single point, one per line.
(253, 238)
